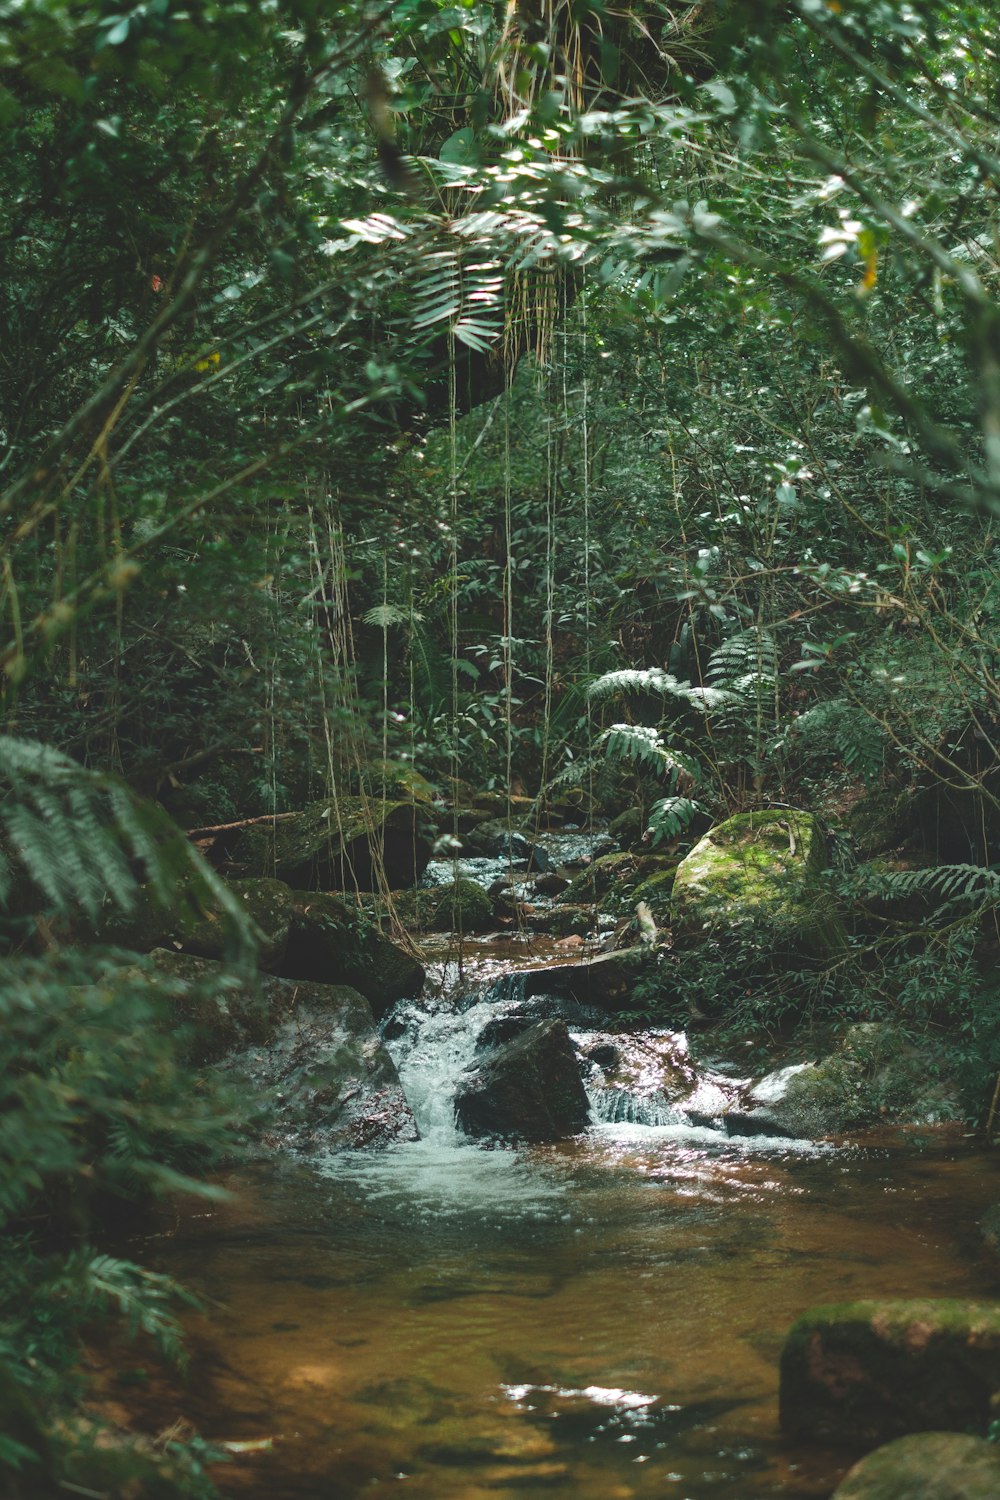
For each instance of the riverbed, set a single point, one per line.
(600, 1318)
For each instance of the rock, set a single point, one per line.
(193, 924)
(926, 1466)
(606, 981)
(874, 1075)
(861, 1373)
(565, 921)
(551, 884)
(612, 880)
(313, 1047)
(334, 845)
(989, 1228)
(756, 877)
(462, 906)
(497, 840)
(333, 1083)
(221, 1009)
(331, 942)
(269, 905)
(628, 828)
(528, 1090)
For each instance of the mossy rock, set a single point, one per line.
(338, 844)
(564, 921)
(628, 828)
(191, 925)
(223, 1009)
(926, 1466)
(862, 1373)
(756, 878)
(874, 1076)
(657, 891)
(332, 942)
(612, 880)
(462, 906)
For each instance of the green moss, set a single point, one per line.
(465, 906)
(760, 871)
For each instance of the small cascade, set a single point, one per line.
(619, 1107)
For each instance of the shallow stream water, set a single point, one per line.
(601, 1318)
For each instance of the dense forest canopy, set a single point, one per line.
(555, 398)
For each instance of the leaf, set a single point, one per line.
(460, 149)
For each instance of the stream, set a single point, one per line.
(600, 1318)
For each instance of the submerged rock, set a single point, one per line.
(530, 1089)
(926, 1466)
(756, 877)
(331, 942)
(860, 1373)
(334, 845)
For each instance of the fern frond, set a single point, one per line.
(669, 817)
(749, 657)
(841, 731)
(642, 747)
(650, 680)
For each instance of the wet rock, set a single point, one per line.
(606, 981)
(926, 1466)
(551, 884)
(605, 1054)
(861, 1373)
(756, 877)
(565, 921)
(334, 845)
(756, 1122)
(331, 1082)
(331, 942)
(874, 1076)
(497, 840)
(528, 1090)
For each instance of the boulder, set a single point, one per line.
(462, 906)
(606, 981)
(874, 1075)
(529, 1089)
(331, 1083)
(756, 878)
(613, 880)
(313, 1047)
(333, 845)
(926, 1466)
(332, 942)
(860, 1373)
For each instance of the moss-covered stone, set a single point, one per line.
(757, 877)
(564, 921)
(875, 1075)
(862, 1373)
(193, 925)
(657, 891)
(338, 844)
(628, 828)
(926, 1466)
(612, 880)
(331, 942)
(607, 981)
(462, 906)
